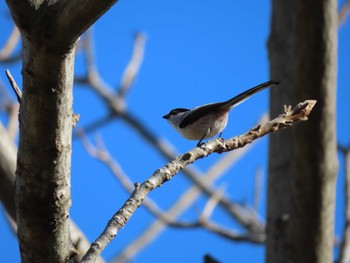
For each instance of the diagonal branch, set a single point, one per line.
(14, 86)
(164, 174)
(78, 15)
(10, 45)
(238, 212)
(344, 254)
(117, 108)
(132, 68)
(101, 154)
(184, 201)
(343, 13)
(257, 189)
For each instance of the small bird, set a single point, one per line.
(206, 121)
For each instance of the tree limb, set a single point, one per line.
(184, 201)
(343, 13)
(132, 68)
(101, 154)
(117, 107)
(78, 15)
(164, 174)
(344, 254)
(10, 45)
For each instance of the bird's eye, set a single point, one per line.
(177, 111)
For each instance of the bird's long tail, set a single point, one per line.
(246, 94)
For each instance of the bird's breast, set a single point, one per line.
(207, 126)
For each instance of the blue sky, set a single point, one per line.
(197, 52)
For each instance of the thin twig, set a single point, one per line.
(211, 204)
(10, 45)
(344, 253)
(96, 124)
(256, 238)
(11, 222)
(164, 174)
(5, 98)
(133, 67)
(257, 189)
(102, 154)
(12, 125)
(183, 202)
(14, 86)
(343, 13)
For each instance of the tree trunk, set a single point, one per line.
(49, 31)
(302, 163)
(44, 154)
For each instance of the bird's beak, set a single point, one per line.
(166, 116)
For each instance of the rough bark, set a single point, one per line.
(44, 155)
(280, 149)
(49, 31)
(302, 161)
(8, 152)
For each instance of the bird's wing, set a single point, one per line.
(199, 112)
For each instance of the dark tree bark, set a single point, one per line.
(49, 32)
(303, 160)
(8, 152)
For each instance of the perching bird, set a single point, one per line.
(206, 121)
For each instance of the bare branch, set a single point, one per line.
(231, 235)
(188, 197)
(211, 204)
(343, 13)
(11, 222)
(132, 68)
(8, 153)
(12, 59)
(12, 126)
(10, 45)
(117, 107)
(97, 124)
(94, 79)
(164, 174)
(103, 155)
(257, 189)
(14, 86)
(77, 16)
(344, 254)
(5, 98)
(182, 203)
